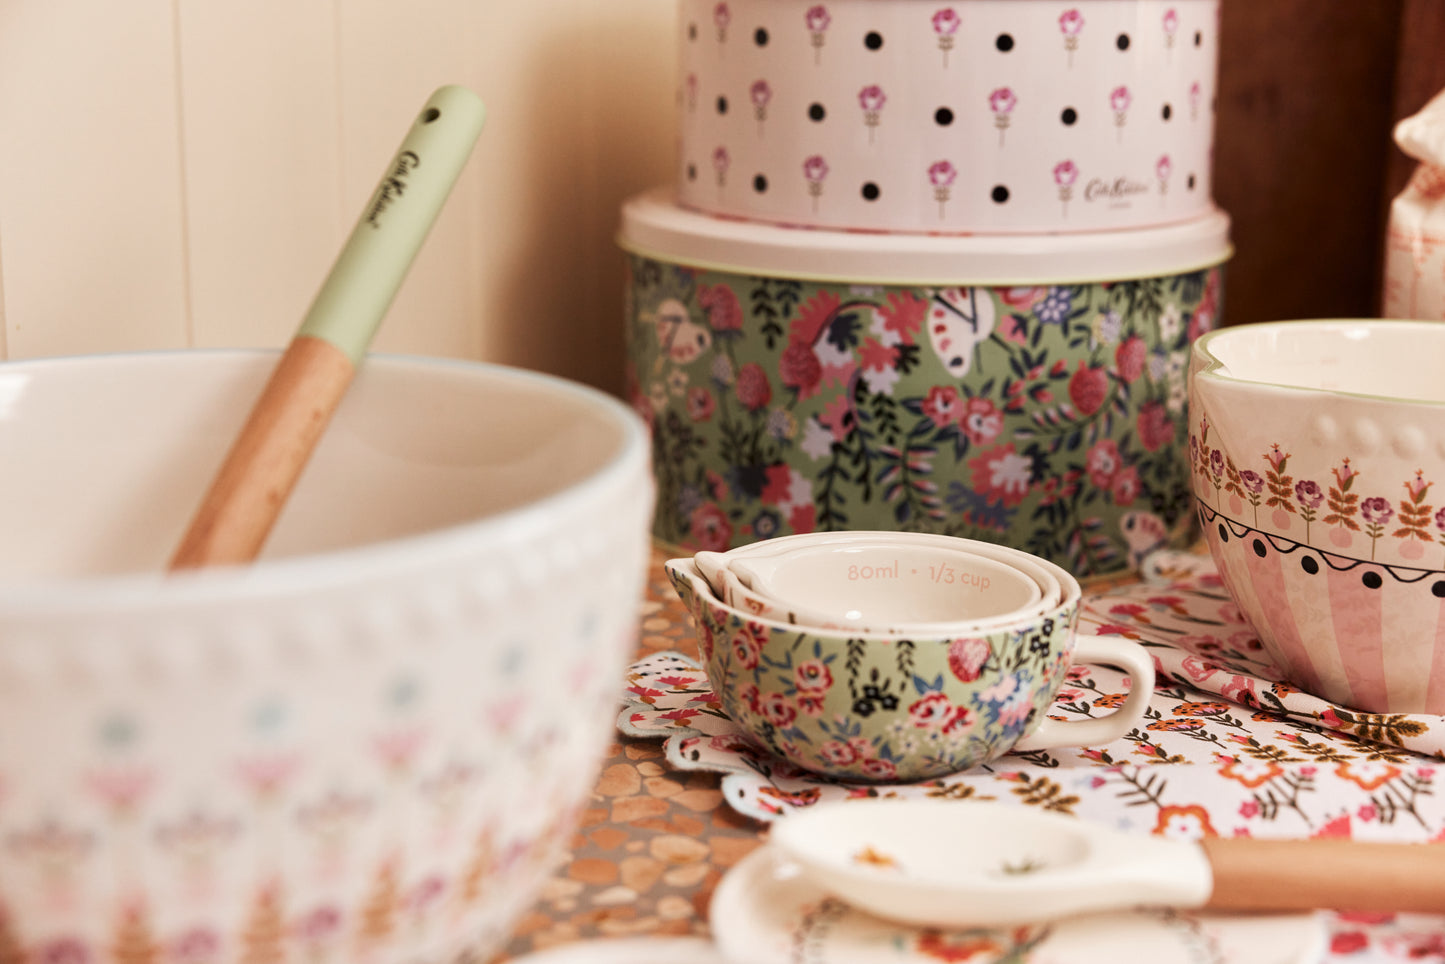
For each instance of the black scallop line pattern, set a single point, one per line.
(1408, 575)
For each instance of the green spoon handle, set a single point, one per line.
(395, 221)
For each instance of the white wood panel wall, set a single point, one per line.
(181, 172)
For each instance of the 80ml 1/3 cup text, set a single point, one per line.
(942, 574)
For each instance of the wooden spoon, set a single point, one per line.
(308, 382)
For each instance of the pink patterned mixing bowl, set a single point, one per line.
(1316, 447)
(952, 118)
(366, 747)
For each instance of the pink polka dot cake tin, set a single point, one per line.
(976, 116)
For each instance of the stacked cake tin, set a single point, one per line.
(930, 267)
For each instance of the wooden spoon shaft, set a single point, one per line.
(313, 374)
(267, 457)
(1348, 875)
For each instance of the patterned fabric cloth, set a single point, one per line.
(1224, 751)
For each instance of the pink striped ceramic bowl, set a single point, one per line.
(1315, 448)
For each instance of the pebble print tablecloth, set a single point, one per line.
(1224, 750)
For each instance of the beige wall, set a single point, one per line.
(181, 172)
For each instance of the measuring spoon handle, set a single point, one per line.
(1251, 874)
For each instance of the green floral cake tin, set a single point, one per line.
(1021, 389)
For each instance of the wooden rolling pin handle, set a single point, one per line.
(267, 457)
(1261, 875)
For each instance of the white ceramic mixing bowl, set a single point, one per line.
(369, 745)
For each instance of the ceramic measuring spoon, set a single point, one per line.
(960, 864)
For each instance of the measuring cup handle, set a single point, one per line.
(1122, 654)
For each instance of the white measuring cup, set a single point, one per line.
(805, 579)
(893, 587)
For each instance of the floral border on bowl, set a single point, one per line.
(1350, 511)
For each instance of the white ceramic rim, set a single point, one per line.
(654, 226)
(326, 570)
(1039, 569)
(1067, 607)
(1039, 602)
(1215, 369)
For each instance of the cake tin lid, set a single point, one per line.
(655, 226)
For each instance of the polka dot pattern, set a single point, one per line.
(1056, 115)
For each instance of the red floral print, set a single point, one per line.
(1125, 486)
(1088, 389)
(1155, 428)
(800, 369)
(981, 421)
(753, 388)
(721, 305)
(967, 656)
(777, 709)
(903, 313)
(1001, 474)
(942, 405)
(709, 528)
(1103, 461)
(1129, 358)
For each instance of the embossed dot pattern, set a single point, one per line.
(1409, 443)
(1364, 437)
